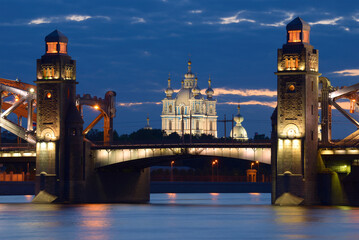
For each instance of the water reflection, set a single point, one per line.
(178, 216)
(94, 220)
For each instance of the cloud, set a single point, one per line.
(131, 104)
(355, 18)
(243, 92)
(138, 20)
(77, 18)
(289, 16)
(348, 72)
(271, 104)
(235, 19)
(67, 18)
(40, 21)
(327, 21)
(197, 11)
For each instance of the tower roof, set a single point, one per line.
(298, 24)
(56, 36)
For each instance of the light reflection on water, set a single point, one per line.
(176, 216)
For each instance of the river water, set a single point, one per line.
(176, 216)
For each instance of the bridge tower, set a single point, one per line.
(59, 149)
(295, 149)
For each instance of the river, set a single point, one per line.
(176, 216)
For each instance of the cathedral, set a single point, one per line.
(189, 111)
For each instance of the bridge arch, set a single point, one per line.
(107, 156)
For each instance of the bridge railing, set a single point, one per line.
(252, 144)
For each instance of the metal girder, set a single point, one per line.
(28, 96)
(22, 110)
(336, 105)
(17, 130)
(343, 91)
(108, 112)
(93, 123)
(12, 108)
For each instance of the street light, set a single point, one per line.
(172, 163)
(215, 162)
(96, 107)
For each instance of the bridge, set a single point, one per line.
(308, 167)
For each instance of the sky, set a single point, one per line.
(130, 47)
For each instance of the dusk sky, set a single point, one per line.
(130, 47)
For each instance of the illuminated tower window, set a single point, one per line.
(52, 47)
(63, 47)
(306, 36)
(294, 36)
(68, 72)
(48, 72)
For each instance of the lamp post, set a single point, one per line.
(215, 162)
(257, 162)
(171, 177)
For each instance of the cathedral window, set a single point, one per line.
(211, 109)
(210, 126)
(182, 110)
(197, 125)
(170, 108)
(197, 108)
(170, 124)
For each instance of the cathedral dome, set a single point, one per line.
(183, 96)
(238, 131)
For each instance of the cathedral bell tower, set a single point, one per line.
(59, 154)
(295, 148)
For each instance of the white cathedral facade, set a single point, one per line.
(189, 112)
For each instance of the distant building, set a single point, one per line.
(148, 126)
(190, 111)
(239, 132)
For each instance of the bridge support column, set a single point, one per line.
(115, 185)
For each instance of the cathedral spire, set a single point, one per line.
(189, 66)
(169, 90)
(209, 90)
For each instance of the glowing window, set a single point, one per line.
(291, 88)
(306, 36)
(52, 47)
(63, 48)
(294, 36)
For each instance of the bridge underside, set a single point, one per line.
(150, 157)
(156, 161)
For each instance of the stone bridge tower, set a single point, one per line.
(59, 149)
(296, 133)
